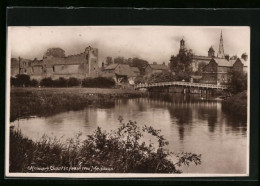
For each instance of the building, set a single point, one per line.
(155, 68)
(79, 66)
(121, 73)
(201, 61)
(218, 70)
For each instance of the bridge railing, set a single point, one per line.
(180, 83)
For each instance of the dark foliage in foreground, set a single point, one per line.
(236, 104)
(237, 82)
(121, 151)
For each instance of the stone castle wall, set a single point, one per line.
(80, 66)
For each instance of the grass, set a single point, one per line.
(25, 102)
(120, 151)
(236, 104)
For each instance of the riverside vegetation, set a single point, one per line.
(120, 151)
(46, 101)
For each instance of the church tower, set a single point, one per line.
(182, 45)
(221, 53)
(211, 52)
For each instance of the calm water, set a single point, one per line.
(188, 123)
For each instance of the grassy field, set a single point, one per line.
(25, 102)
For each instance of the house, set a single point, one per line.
(244, 61)
(155, 68)
(218, 69)
(121, 73)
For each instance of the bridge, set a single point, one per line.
(181, 83)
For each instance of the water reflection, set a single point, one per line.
(188, 122)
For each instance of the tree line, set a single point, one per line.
(23, 80)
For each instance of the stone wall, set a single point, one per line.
(80, 66)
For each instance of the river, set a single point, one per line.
(189, 123)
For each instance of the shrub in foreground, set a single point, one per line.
(123, 151)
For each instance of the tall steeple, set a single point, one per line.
(221, 53)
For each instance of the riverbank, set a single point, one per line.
(102, 151)
(25, 102)
(236, 104)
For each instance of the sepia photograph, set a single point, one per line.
(127, 101)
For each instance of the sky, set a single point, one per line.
(151, 43)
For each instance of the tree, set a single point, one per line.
(61, 82)
(109, 60)
(23, 80)
(182, 62)
(55, 52)
(161, 77)
(237, 82)
(119, 60)
(73, 82)
(34, 83)
(46, 82)
(139, 63)
(13, 81)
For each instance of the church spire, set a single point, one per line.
(221, 53)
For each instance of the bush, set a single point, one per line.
(13, 81)
(22, 80)
(99, 82)
(47, 82)
(122, 151)
(61, 82)
(73, 82)
(34, 83)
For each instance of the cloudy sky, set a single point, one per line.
(152, 43)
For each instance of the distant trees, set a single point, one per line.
(23, 80)
(119, 60)
(237, 82)
(139, 63)
(55, 52)
(61, 82)
(109, 60)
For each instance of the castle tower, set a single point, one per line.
(211, 52)
(221, 53)
(92, 61)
